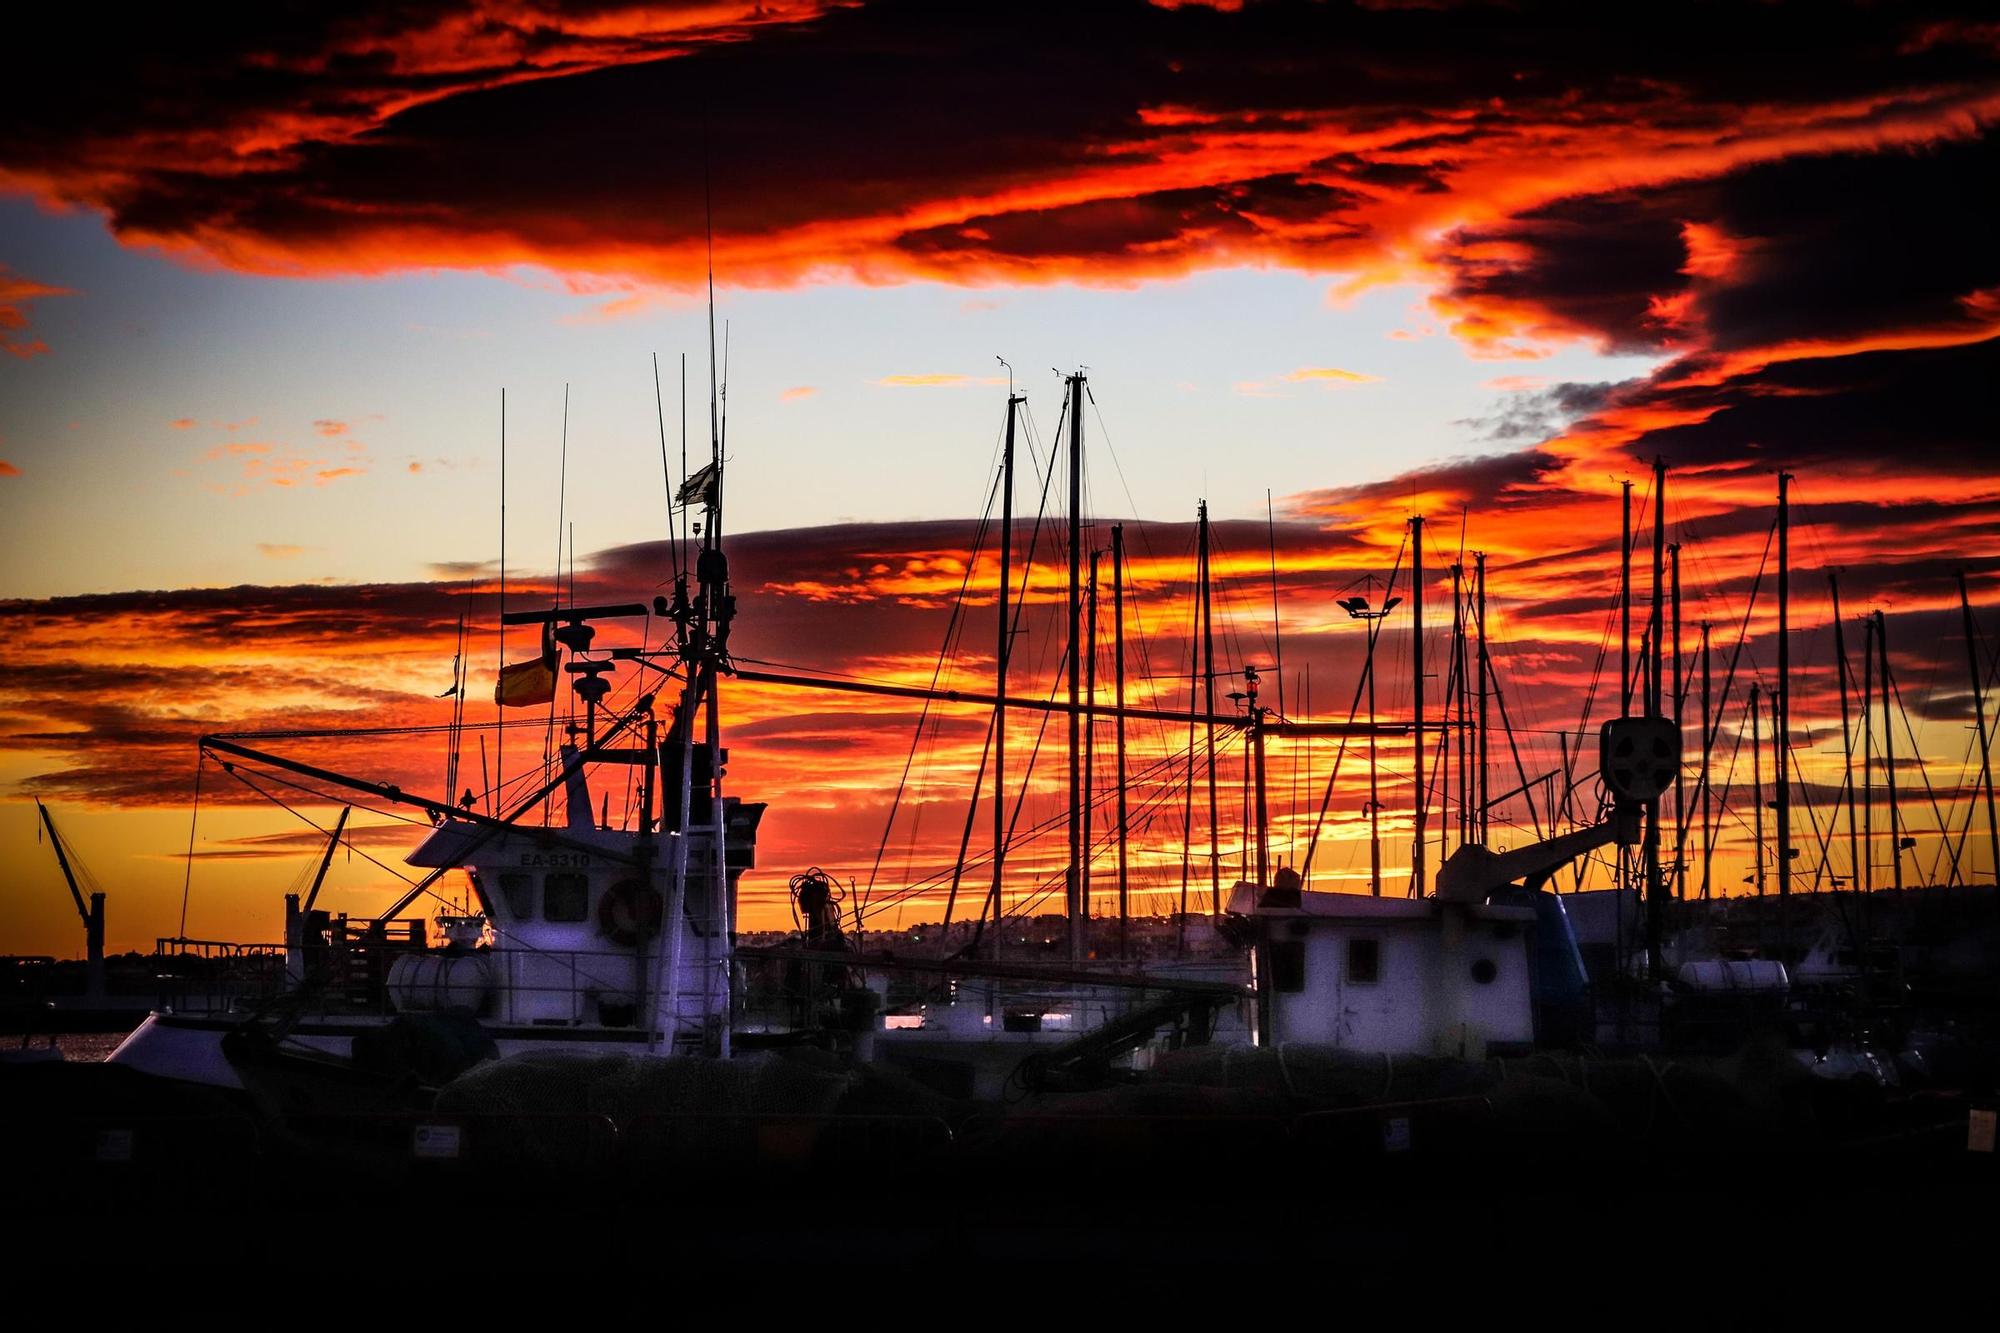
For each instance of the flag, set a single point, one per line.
(700, 488)
(525, 684)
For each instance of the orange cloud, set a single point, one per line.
(17, 295)
(7, 469)
(937, 381)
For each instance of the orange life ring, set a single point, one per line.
(629, 912)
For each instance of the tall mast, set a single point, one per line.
(1889, 754)
(1781, 713)
(1679, 695)
(1625, 605)
(1076, 850)
(1656, 892)
(1757, 778)
(1208, 709)
(1707, 752)
(1260, 820)
(1464, 693)
(1187, 793)
(1374, 787)
(1118, 672)
(1846, 733)
(1003, 649)
(1979, 718)
(1089, 800)
(1452, 687)
(1417, 750)
(1482, 784)
(1867, 871)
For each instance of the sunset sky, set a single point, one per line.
(264, 276)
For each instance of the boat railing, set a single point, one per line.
(350, 975)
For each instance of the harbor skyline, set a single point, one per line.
(250, 418)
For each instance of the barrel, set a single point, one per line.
(420, 982)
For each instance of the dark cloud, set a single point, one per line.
(900, 137)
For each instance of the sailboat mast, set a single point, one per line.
(1846, 732)
(1374, 787)
(1208, 710)
(1625, 606)
(1076, 850)
(1003, 649)
(1707, 752)
(1656, 892)
(1418, 753)
(1118, 684)
(1781, 713)
(1089, 731)
(1482, 784)
(1979, 718)
(1464, 688)
(1889, 754)
(1867, 869)
(1757, 778)
(1679, 696)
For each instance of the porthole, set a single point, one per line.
(1484, 971)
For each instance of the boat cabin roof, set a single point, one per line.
(1248, 900)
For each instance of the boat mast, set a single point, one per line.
(1867, 870)
(1624, 676)
(1445, 741)
(1656, 892)
(1003, 649)
(1076, 850)
(1187, 794)
(1089, 801)
(1208, 709)
(1781, 713)
(1707, 753)
(1679, 695)
(1374, 788)
(1483, 781)
(1889, 755)
(1979, 719)
(1463, 691)
(1417, 751)
(1757, 778)
(1260, 820)
(1118, 673)
(1846, 732)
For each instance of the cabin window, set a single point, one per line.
(566, 897)
(1484, 971)
(1364, 961)
(1288, 965)
(519, 893)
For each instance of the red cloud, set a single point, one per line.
(17, 294)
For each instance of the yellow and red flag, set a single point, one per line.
(525, 684)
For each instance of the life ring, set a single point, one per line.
(629, 912)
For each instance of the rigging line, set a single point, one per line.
(923, 713)
(666, 472)
(939, 875)
(1360, 685)
(187, 879)
(1054, 880)
(1916, 753)
(234, 771)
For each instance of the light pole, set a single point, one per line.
(1358, 608)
